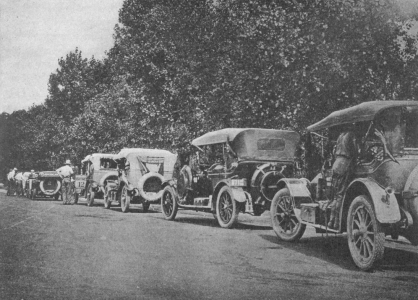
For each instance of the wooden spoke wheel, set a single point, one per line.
(125, 199)
(169, 204)
(285, 223)
(365, 236)
(226, 208)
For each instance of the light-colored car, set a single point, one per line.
(141, 174)
(97, 170)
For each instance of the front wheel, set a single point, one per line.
(90, 197)
(226, 208)
(283, 218)
(107, 201)
(366, 239)
(169, 204)
(125, 200)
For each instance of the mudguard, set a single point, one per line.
(298, 189)
(385, 204)
(239, 194)
(106, 176)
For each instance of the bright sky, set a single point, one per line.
(34, 34)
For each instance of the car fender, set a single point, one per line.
(384, 201)
(298, 189)
(238, 194)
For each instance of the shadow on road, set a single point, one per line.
(212, 222)
(334, 250)
(133, 210)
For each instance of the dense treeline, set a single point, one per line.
(180, 68)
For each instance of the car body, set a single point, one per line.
(243, 166)
(43, 184)
(381, 199)
(97, 170)
(141, 173)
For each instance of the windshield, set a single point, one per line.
(400, 127)
(411, 127)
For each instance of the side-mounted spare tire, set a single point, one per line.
(150, 186)
(184, 181)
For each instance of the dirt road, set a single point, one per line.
(52, 251)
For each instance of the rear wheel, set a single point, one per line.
(366, 239)
(169, 204)
(125, 200)
(226, 208)
(90, 197)
(283, 218)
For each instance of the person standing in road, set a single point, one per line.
(345, 154)
(19, 179)
(11, 180)
(66, 174)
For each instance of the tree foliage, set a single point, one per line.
(179, 69)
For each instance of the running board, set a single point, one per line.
(325, 228)
(399, 245)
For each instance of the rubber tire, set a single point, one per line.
(76, 196)
(145, 206)
(299, 228)
(90, 197)
(362, 262)
(226, 192)
(169, 211)
(124, 204)
(107, 201)
(141, 184)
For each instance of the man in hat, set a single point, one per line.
(67, 176)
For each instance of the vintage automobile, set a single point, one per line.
(141, 174)
(96, 171)
(43, 184)
(381, 200)
(234, 170)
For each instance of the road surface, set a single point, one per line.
(52, 251)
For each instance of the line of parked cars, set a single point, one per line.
(253, 170)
